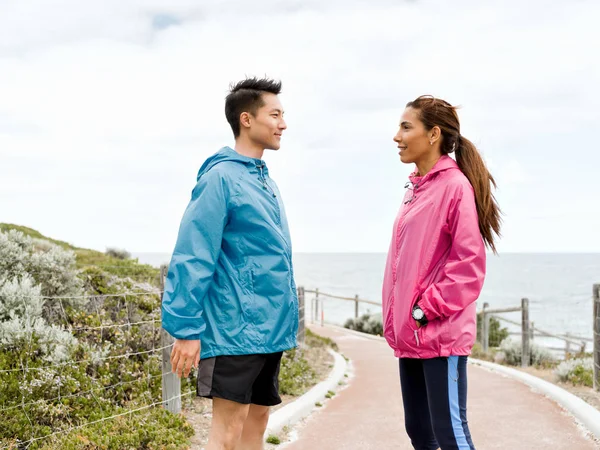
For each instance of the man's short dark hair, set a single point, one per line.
(246, 96)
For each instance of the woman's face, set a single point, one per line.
(413, 140)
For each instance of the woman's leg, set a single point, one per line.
(417, 419)
(446, 380)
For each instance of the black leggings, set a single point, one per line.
(434, 392)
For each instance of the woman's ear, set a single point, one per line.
(434, 135)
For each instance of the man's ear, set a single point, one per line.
(245, 120)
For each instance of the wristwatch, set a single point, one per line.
(419, 315)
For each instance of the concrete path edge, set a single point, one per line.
(301, 407)
(586, 414)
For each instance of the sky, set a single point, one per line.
(108, 108)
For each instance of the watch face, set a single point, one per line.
(418, 314)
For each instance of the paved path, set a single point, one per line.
(503, 413)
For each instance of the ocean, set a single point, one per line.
(558, 286)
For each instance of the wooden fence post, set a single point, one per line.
(485, 332)
(322, 311)
(171, 384)
(301, 316)
(525, 335)
(356, 307)
(597, 337)
(316, 305)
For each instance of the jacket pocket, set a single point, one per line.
(388, 325)
(414, 301)
(433, 335)
(247, 299)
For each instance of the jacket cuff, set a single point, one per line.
(182, 333)
(425, 306)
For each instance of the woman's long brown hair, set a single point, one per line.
(436, 112)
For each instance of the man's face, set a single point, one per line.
(267, 125)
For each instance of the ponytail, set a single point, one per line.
(437, 112)
(472, 165)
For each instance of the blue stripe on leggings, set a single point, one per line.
(459, 433)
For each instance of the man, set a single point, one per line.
(230, 283)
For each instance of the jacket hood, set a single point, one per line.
(228, 154)
(443, 164)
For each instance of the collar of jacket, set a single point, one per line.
(444, 163)
(229, 154)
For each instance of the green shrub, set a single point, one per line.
(578, 371)
(119, 253)
(510, 352)
(295, 374)
(154, 429)
(477, 352)
(51, 267)
(272, 439)
(497, 333)
(367, 323)
(66, 363)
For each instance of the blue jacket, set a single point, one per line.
(230, 281)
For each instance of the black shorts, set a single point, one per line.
(241, 378)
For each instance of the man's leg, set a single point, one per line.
(265, 393)
(227, 424)
(254, 428)
(229, 381)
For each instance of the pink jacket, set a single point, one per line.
(436, 259)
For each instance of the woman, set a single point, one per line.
(435, 271)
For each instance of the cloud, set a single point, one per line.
(108, 109)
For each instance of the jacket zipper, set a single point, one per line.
(417, 337)
(264, 181)
(268, 188)
(396, 231)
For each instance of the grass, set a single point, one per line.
(272, 439)
(296, 375)
(314, 340)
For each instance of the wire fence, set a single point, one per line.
(94, 296)
(108, 385)
(27, 444)
(142, 273)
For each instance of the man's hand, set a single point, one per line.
(184, 356)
